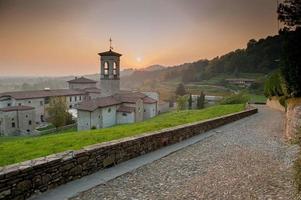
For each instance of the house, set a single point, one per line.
(115, 106)
(80, 89)
(97, 106)
(17, 120)
(242, 82)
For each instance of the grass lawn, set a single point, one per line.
(257, 98)
(17, 149)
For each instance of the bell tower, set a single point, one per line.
(109, 72)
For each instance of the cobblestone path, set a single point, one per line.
(246, 159)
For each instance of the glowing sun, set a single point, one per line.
(138, 59)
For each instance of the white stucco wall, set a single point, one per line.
(163, 107)
(81, 86)
(150, 110)
(125, 118)
(109, 116)
(38, 104)
(21, 120)
(83, 120)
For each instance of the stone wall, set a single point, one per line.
(293, 117)
(274, 103)
(21, 180)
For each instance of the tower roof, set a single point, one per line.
(110, 53)
(81, 80)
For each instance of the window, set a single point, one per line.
(28, 130)
(13, 125)
(20, 104)
(139, 109)
(80, 98)
(124, 114)
(75, 98)
(29, 101)
(144, 110)
(41, 103)
(109, 109)
(114, 69)
(42, 118)
(8, 105)
(47, 99)
(12, 119)
(29, 122)
(70, 106)
(106, 68)
(26, 116)
(70, 99)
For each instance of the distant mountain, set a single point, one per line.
(260, 56)
(153, 68)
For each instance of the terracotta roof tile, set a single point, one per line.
(16, 108)
(109, 53)
(126, 109)
(34, 94)
(93, 104)
(82, 80)
(149, 100)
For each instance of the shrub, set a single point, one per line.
(275, 85)
(236, 99)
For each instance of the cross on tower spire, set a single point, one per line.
(111, 48)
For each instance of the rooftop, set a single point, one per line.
(110, 53)
(98, 103)
(81, 80)
(122, 97)
(34, 94)
(16, 108)
(126, 109)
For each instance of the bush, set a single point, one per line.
(275, 85)
(236, 99)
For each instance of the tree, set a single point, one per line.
(201, 101)
(181, 103)
(181, 91)
(291, 62)
(58, 111)
(190, 102)
(289, 12)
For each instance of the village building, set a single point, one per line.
(241, 82)
(96, 106)
(115, 106)
(17, 120)
(80, 89)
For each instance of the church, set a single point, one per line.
(113, 106)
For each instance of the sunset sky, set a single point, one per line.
(63, 37)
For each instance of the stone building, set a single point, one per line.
(17, 120)
(97, 107)
(115, 106)
(80, 89)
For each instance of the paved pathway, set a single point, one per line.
(246, 159)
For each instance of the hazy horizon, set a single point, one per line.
(63, 37)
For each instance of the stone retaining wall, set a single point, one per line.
(274, 103)
(21, 180)
(293, 118)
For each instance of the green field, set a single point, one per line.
(17, 149)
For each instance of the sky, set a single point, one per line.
(63, 37)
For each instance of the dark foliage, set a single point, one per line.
(190, 102)
(201, 101)
(181, 91)
(274, 85)
(291, 62)
(289, 12)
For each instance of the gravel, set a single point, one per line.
(247, 159)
